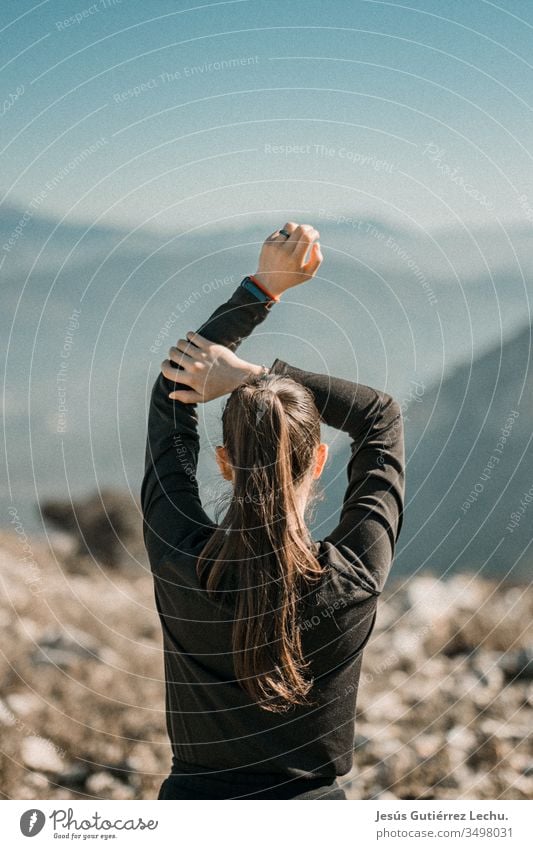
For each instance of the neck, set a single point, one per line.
(301, 502)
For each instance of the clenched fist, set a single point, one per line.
(287, 262)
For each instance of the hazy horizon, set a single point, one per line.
(187, 114)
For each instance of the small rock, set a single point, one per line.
(467, 593)
(517, 783)
(5, 618)
(407, 641)
(23, 704)
(503, 730)
(62, 649)
(388, 706)
(489, 752)
(123, 770)
(74, 777)
(461, 742)
(103, 784)
(485, 666)
(360, 742)
(143, 759)
(521, 763)
(28, 628)
(427, 745)
(63, 544)
(41, 755)
(7, 717)
(386, 617)
(428, 597)
(110, 657)
(518, 664)
(397, 680)
(103, 526)
(38, 780)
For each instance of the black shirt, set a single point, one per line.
(212, 723)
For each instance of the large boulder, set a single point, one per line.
(106, 527)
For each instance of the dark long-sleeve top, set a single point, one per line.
(213, 725)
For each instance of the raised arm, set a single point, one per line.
(173, 514)
(170, 500)
(372, 511)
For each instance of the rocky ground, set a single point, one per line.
(445, 700)
(446, 695)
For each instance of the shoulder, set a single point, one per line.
(183, 558)
(343, 578)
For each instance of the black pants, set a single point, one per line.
(179, 786)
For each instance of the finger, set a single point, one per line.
(315, 260)
(175, 355)
(179, 358)
(186, 346)
(182, 358)
(302, 239)
(300, 232)
(186, 396)
(176, 375)
(289, 226)
(199, 341)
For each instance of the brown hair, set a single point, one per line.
(271, 430)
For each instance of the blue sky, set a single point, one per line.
(181, 113)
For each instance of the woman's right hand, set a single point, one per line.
(282, 262)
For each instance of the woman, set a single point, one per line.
(263, 627)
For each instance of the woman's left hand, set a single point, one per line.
(209, 369)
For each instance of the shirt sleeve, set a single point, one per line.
(372, 511)
(171, 506)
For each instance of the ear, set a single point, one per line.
(321, 457)
(223, 463)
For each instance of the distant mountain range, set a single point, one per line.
(471, 467)
(469, 502)
(86, 310)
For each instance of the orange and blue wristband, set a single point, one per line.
(256, 288)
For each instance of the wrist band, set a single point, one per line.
(264, 289)
(257, 289)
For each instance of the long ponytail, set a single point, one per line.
(271, 429)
